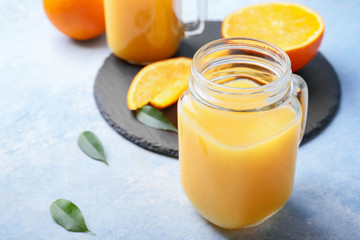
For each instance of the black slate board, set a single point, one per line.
(115, 76)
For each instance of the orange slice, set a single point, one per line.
(296, 29)
(160, 83)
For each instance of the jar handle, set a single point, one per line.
(196, 28)
(300, 91)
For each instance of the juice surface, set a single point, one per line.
(143, 31)
(237, 168)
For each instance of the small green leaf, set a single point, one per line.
(90, 144)
(154, 118)
(68, 215)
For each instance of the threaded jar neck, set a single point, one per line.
(221, 69)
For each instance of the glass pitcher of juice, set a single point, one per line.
(145, 31)
(240, 125)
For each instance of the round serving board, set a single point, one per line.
(115, 76)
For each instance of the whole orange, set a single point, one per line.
(78, 19)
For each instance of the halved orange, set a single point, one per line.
(160, 83)
(296, 29)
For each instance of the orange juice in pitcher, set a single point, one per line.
(145, 31)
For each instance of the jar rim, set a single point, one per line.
(286, 64)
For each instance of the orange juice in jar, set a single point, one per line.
(240, 126)
(145, 31)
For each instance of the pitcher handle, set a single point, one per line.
(196, 28)
(300, 91)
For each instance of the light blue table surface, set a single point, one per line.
(46, 101)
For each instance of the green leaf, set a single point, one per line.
(68, 215)
(154, 118)
(90, 144)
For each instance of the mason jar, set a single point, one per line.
(240, 125)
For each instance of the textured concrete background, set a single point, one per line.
(46, 100)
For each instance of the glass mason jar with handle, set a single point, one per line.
(240, 125)
(145, 31)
